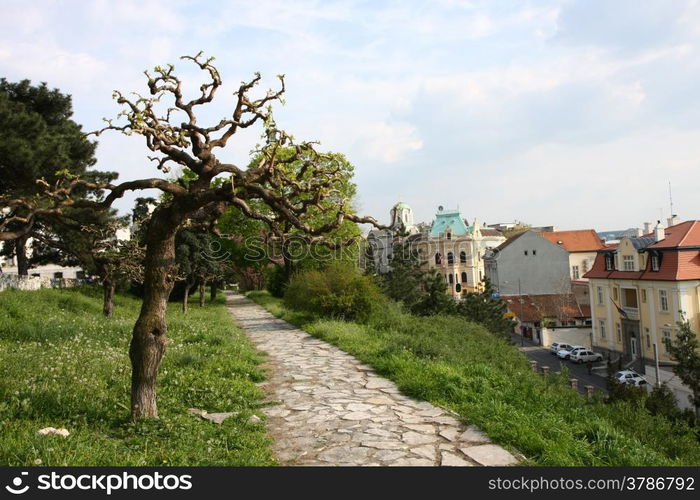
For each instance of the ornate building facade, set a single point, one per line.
(450, 245)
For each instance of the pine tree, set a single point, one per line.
(482, 307)
(685, 351)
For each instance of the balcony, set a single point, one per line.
(632, 312)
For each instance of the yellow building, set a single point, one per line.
(640, 288)
(455, 249)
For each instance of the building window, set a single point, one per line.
(602, 328)
(438, 259)
(574, 272)
(644, 295)
(449, 236)
(666, 338)
(58, 275)
(608, 262)
(628, 262)
(458, 288)
(451, 279)
(584, 265)
(648, 341)
(464, 277)
(600, 295)
(534, 252)
(619, 332)
(615, 295)
(525, 252)
(654, 262)
(663, 300)
(463, 257)
(450, 258)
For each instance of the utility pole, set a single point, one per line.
(522, 328)
(656, 365)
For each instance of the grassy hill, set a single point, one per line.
(461, 366)
(63, 365)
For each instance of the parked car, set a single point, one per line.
(566, 352)
(630, 377)
(557, 346)
(584, 355)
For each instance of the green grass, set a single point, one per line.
(63, 365)
(461, 366)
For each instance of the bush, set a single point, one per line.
(276, 281)
(339, 291)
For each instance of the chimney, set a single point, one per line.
(673, 220)
(659, 233)
(647, 227)
(640, 232)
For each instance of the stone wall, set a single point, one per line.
(13, 281)
(572, 335)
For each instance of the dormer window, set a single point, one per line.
(609, 262)
(654, 262)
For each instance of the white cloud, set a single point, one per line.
(387, 142)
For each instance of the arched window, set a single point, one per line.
(449, 236)
(451, 279)
(464, 277)
(438, 259)
(463, 257)
(458, 288)
(450, 258)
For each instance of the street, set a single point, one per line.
(544, 358)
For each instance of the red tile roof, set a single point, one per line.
(685, 234)
(584, 240)
(490, 232)
(539, 307)
(680, 259)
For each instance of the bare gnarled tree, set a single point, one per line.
(168, 122)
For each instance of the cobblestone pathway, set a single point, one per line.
(334, 410)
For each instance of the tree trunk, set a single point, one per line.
(202, 292)
(108, 303)
(21, 255)
(186, 297)
(214, 290)
(149, 338)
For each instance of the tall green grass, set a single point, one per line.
(64, 365)
(461, 366)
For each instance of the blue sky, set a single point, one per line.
(568, 113)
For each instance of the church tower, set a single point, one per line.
(401, 213)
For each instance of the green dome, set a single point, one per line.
(401, 205)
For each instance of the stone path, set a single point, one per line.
(334, 410)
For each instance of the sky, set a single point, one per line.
(574, 113)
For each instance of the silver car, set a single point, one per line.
(584, 355)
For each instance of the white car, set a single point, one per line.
(584, 356)
(566, 352)
(556, 347)
(630, 377)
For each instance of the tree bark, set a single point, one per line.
(149, 336)
(108, 303)
(214, 290)
(202, 292)
(21, 255)
(186, 297)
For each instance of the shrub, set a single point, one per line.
(338, 291)
(276, 281)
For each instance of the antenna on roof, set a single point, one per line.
(670, 198)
